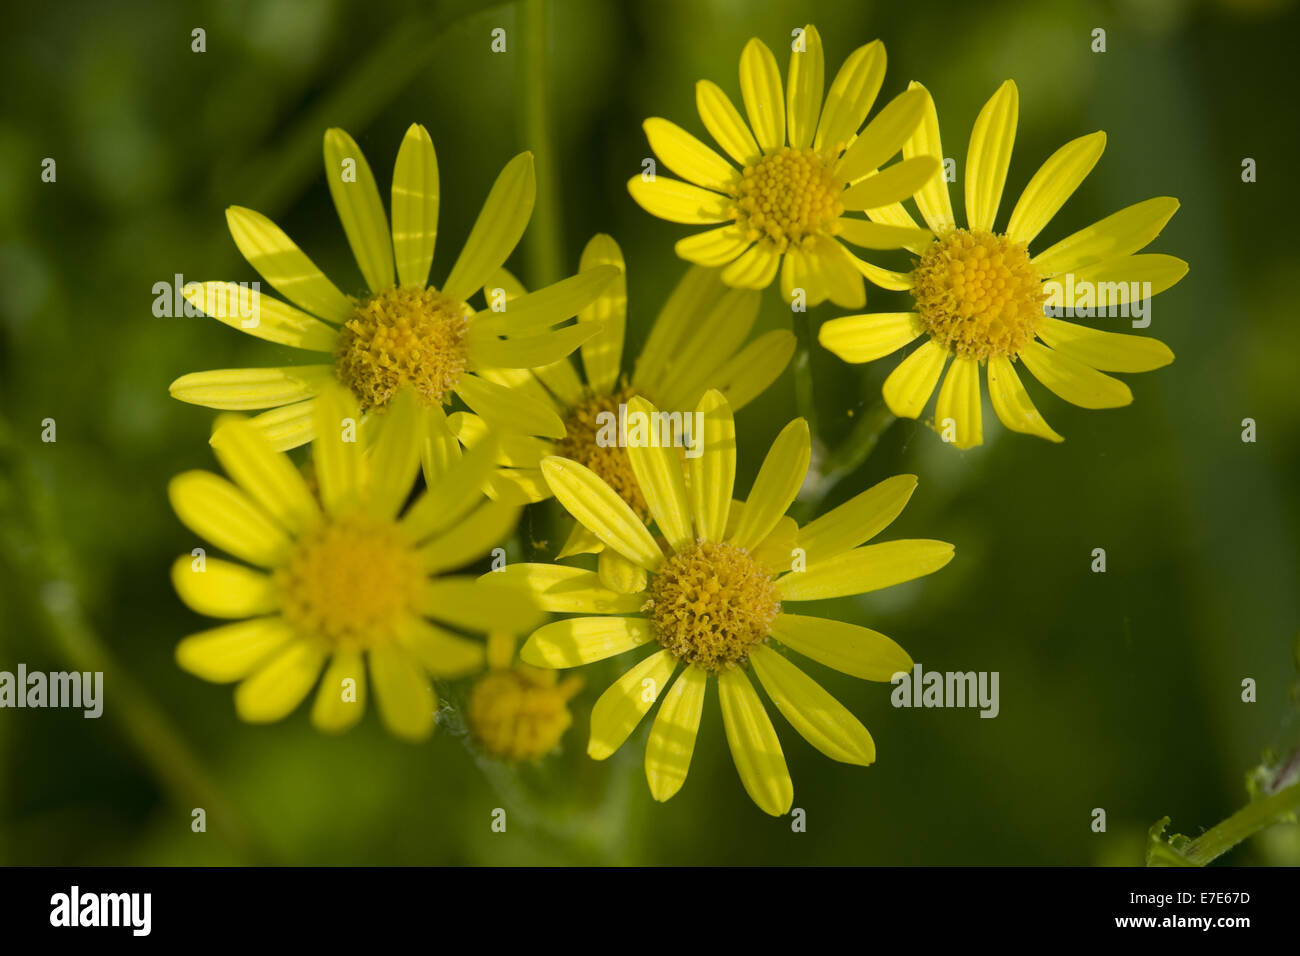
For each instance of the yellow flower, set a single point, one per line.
(698, 341)
(980, 297)
(405, 333)
(343, 574)
(801, 168)
(712, 601)
(517, 712)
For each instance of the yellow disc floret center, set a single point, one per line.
(977, 293)
(403, 337)
(348, 582)
(789, 197)
(520, 714)
(587, 440)
(711, 605)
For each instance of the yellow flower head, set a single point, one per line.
(715, 601)
(404, 333)
(800, 166)
(982, 298)
(519, 713)
(343, 574)
(698, 341)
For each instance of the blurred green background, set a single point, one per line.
(1119, 691)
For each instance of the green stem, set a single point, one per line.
(847, 458)
(544, 241)
(1250, 819)
(805, 395)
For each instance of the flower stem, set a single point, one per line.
(1250, 819)
(544, 242)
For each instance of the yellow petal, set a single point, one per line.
(219, 512)
(989, 156)
(1117, 280)
(405, 698)
(582, 640)
(1107, 351)
(602, 356)
(477, 605)
(748, 373)
(715, 247)
(874, 235)
(932, 199)
(866, 569)
(471, 538)
(597, 506)
(233, 651)
(820, 719)
(287, 427)
(1073, 381)
(619, 574)
(415, 206)
(865, 338)
(561, 589)
(244, 388)
(713, 473)
(508, 409)
(858, 520)
(439, 449)
(548, 306)
(1119, 234)
(443, 654)
(687, 156)
(760, 88)
(336, 451)
(246, 309)
(724, 123)
(908, 388)
(774, 490)
(676, 201)
(1054, 183)
(694, 295)
(395, 458)
(1012, 403)
(621, 707)
(529, 351)
(884, 135)
(755, 748)
(848, 648)
(341, 697)
(715, 337)
(755, 268)
(805, 80)
(959, 403)
(356, 197)
(839, 275)
(280, 685)
(221, 589)
(268, 476)
(851, 94)
(281, 263)
(672, 736)
(452, 493)
(497, 231)
(891, 184)
(884, 278)
(659, 474)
